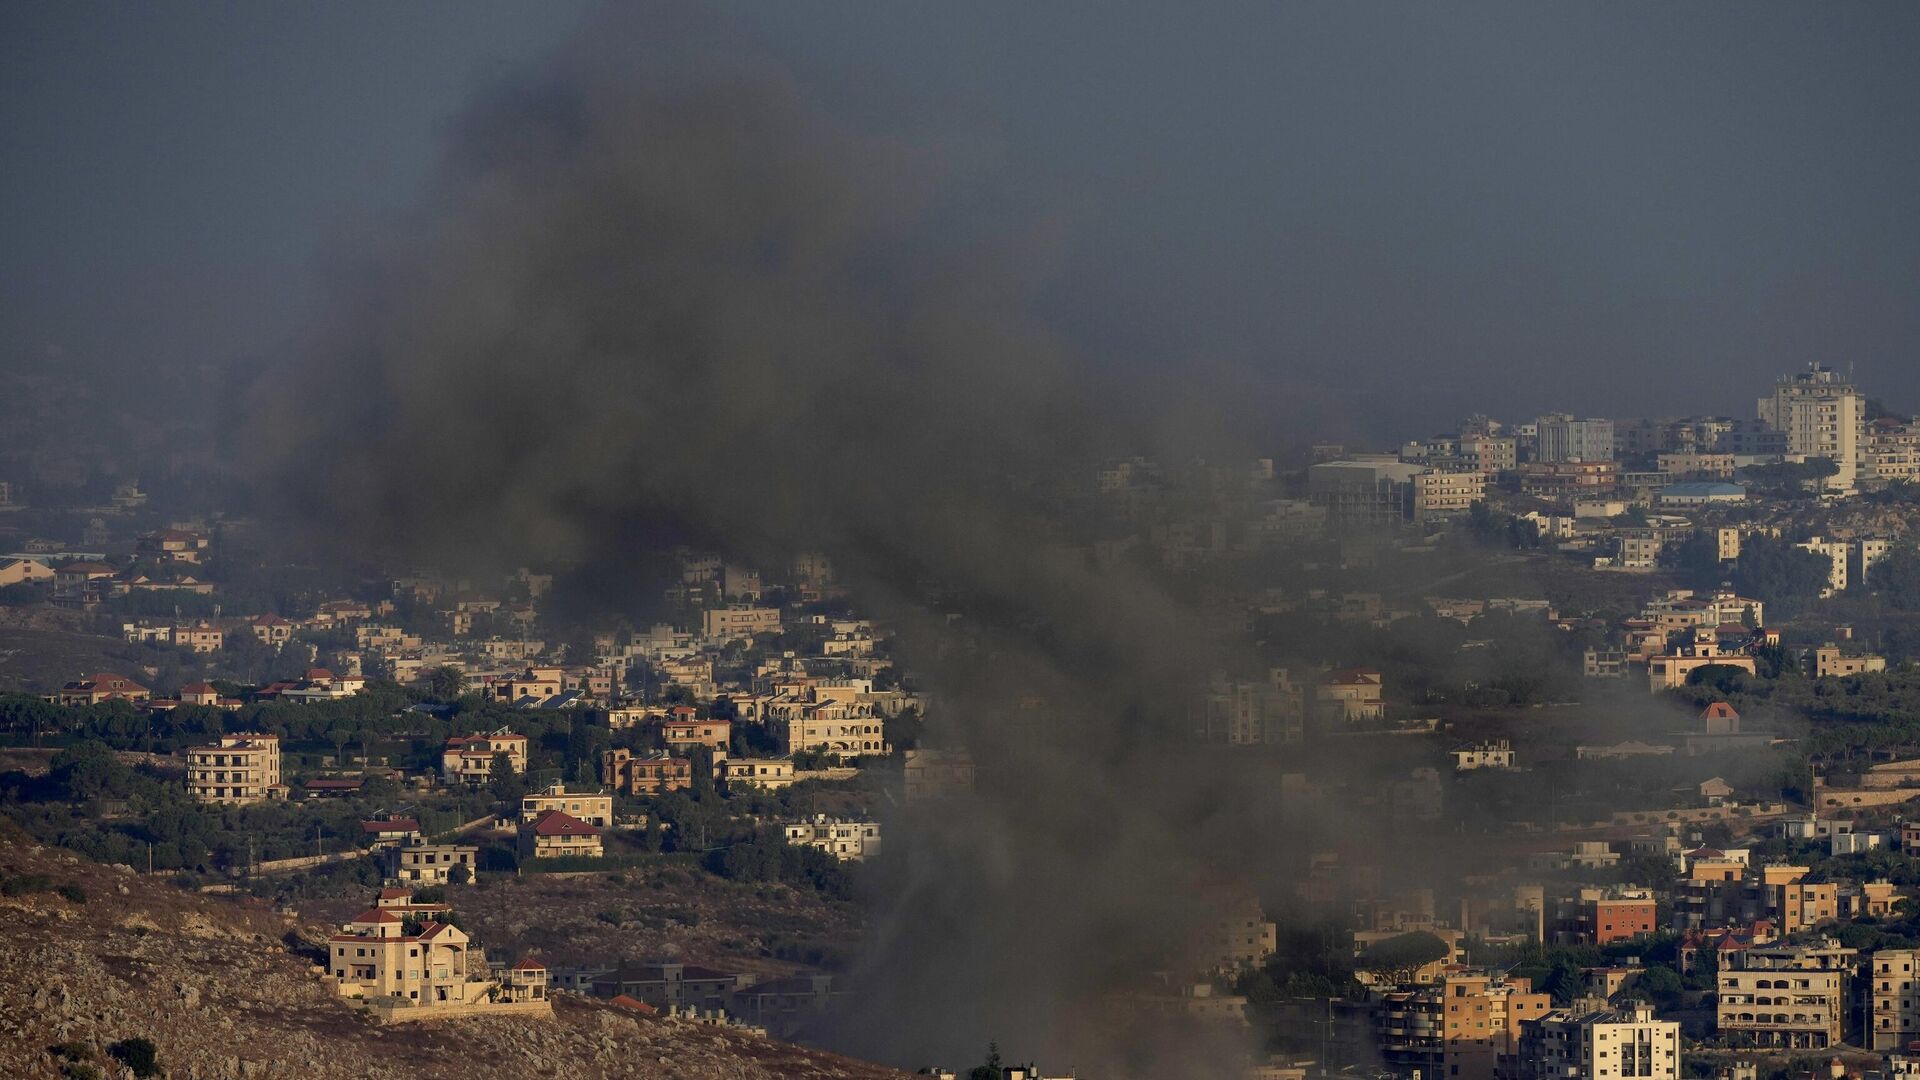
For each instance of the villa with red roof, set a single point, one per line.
(1354, 695)
(469, 758)
(101, 686)
(557, 834)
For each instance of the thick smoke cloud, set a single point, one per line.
(659, 294)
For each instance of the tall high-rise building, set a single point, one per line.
(1560, 437)
(1822, 415)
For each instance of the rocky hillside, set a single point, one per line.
(97, 955)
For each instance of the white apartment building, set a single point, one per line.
(1559, 437)
(1893, 1019)
(1822, 415)
(1604, 1045)
(843, 840)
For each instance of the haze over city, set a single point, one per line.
(1006, 542)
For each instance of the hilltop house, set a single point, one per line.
(411, 967)
(469, 758)
(557, 834)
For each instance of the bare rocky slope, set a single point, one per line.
(211, 982)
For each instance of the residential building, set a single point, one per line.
(239, 769)
(1698, 464)
(554, 834)
(1240, 712)
(1821, 415)
(1438, 495)
(405, 962)
(844, 840)
(1788, 996)
(1830, 662)
(1608, 1044)
(771, 774)
(1893, 1011)
(1459, 1028)
(101, 687)
(623, 770)
(930, 773)
(682, 735)
(593, 807)
(1353, 695)
(1700, 493)
(1838, 556)
(1622, 915)
(421, 863)
(1490, 754)
(468, 759)
(1561, 438)
(1364, 493)
(738, 621)
(1569, 479)
(1669, 670)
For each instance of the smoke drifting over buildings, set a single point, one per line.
(657, 295)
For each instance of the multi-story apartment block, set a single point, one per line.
(769, 773)
(1893, 1011)
(1489, 454)
(1459, 1028)
(1695, 465)
(1821, 415)
(240, 768)
(1891, 452)
(1790, 996)
(844, 840)
(1622, 916)
(468, 759)
(1837, 555)
(593, 807)
(682, 735)
(739, 621)
(1602, 1045)
(1559, 437)
(1439, 494)
(622, 770)
(1567, 479)
(420, 863)
(1247, 713)
(835, 728)
(1364, 492)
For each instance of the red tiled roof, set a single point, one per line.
(391, 825)
(392, 893)
(625, 1002)
(199, 688)
(561, 823)
(528, 963)
(1719, 710)
(376, 915)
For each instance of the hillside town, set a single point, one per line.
(1648, 687)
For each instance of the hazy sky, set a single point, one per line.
(1386, 215)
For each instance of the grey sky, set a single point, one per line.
(1381, 215)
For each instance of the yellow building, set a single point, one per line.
(239, 769)
(769, 773)
(593, 807)
(469, 758)
(1446, 494)
(557, 834)
(1786, 996)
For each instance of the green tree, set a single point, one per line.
(445, 683)
(1897, 577)
(1781, 575)
(1398, 958)
(991, 1068)
(505, 784)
